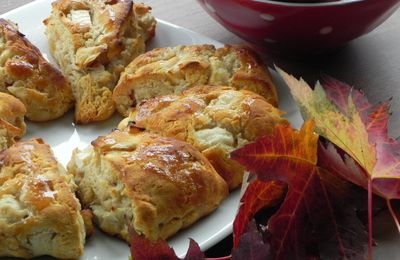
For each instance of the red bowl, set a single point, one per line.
(300, 27)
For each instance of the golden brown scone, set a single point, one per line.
(166, 71)
(12, 125)
(92, 41)
(214, 119)
(158, 185)
(25, 74)
(39, 213)
(146, 24)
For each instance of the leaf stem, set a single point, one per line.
(393, 213)
(369, 219)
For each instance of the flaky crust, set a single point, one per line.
(171, 70)
(12, 125)
(92, 41)
(214, 119)
(158, 185)
(39, 213)
(26, 74)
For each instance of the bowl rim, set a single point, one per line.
(333, 3)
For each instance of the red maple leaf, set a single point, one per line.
(143, 248)
(251, 245)
(314, 204)
(258, 195)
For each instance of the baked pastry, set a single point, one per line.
(25, 74)
(166, 71)
(157, 185)
(92, 41)
(39, 213)
(12, 125)
(214, 119)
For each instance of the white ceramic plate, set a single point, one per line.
(64, 136)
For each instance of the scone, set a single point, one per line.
(92, 41)
(166, 71)
(214, 119)
(12, 125)
(154, 184)
(25, 74)
(39, 213)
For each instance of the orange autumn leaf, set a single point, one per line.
(288, 150)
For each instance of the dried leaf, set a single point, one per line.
(310, 207)
(194, 252)
(258, 195)
(285, 151)
(344, 116)
(365, 154)
(142, 248)
(251, 245)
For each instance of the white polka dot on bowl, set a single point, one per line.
(267, 17)
(326, 30)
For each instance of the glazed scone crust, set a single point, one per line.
(214, 119)
(25, 74)
(171, 70)
(158, 184)
(39, 213)
(92, 41)
(12, 125)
